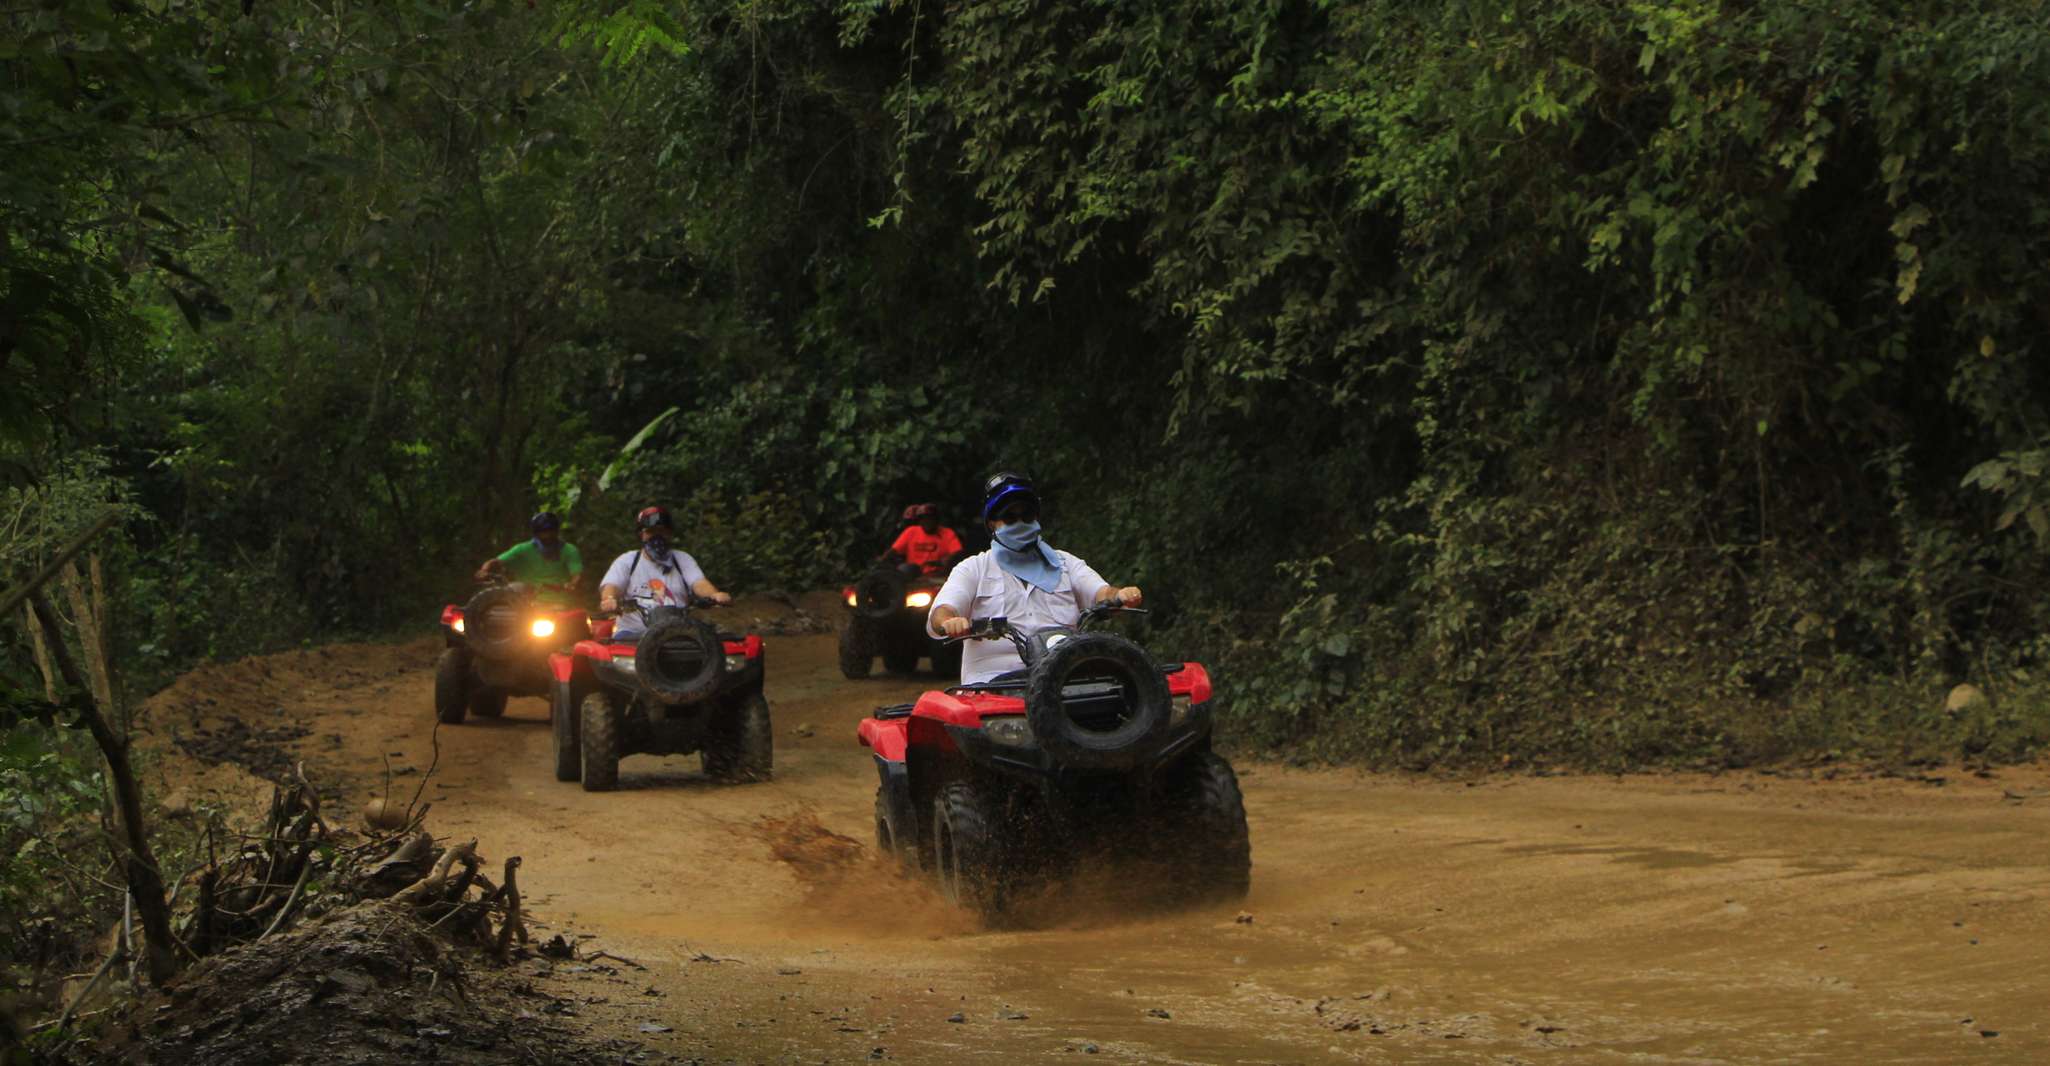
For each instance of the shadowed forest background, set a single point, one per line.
(1483, 382)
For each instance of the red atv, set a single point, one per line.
(886, 616)
(682, 686)
(1094, 746)
(498, 646)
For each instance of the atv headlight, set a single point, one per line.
(542, 627)
(1178, 709)
(1011, 731)
(624, 664)
(736, 662)
(457, 625)
(918, 599)
(850, 597)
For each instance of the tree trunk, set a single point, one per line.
(139, 866)
(43, 665)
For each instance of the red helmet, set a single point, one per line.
(653, 517)
(921, 510)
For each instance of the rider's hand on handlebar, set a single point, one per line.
(722, 598)
(1129, 596)
(608, 604)
(955, 626)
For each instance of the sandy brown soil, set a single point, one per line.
(1671, 918)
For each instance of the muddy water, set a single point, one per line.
(1392, 919)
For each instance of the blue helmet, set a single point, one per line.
(1004, 488)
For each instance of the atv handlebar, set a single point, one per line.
(696, 602)
(992, 628)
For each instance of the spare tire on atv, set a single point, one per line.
(679, 659)
(880, 594)
(1117, 729)
(493, 622)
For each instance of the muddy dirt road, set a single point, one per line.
(1743, 918)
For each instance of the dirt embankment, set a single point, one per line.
(1656, 918)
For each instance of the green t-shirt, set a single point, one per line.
(525, 563)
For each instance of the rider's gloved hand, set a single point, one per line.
(955, 626)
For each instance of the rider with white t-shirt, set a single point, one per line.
(1020, 578)
(656, 575)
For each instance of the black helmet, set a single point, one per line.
(544, 521)
(1004, 487)
(654, 518)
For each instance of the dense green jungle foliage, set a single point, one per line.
(1486, 381)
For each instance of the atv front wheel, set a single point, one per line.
(966, 853)
(598, 736)
(452, 686)
(891, 840)
(487, 702)
(855, 655)
(1215, 851)
(562, 722)
(743, 746)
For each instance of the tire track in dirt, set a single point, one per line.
(1655, 918)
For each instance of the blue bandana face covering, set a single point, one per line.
(548, 551)
(1022, 555)
(658, 549)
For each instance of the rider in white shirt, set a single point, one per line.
(1020, 578)
(656, 575)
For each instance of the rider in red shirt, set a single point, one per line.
(925, 546)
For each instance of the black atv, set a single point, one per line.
(886, 616)
(1093, 749)
(683, 686)
(498, 646)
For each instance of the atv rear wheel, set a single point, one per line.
(1213, 849)
(562, 722)
(742, 748)
(891, 841)
(452, 686)
(966, 853)
(598, 736)
(487, 702)
(855, 654)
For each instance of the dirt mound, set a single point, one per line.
(366, 984)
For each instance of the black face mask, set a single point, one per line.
(658, 549)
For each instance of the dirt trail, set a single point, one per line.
(1392, 919)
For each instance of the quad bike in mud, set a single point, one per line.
(497, 647)
(1093, 748)
(886, 616)
(682, 686)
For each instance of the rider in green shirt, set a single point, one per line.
(547, 564)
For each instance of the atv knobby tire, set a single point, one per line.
(891, 840)
(855, 654)
(741, 746)
(495, 622)
(1098, 656)
(679, 660)
(562, 723)
(880, 594)
(452, 686)
(966, 853)
(598, 736)
(1208, 828)
(487, 702)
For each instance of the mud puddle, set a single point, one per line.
(1670, 918)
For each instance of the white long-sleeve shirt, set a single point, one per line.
(979, 588)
